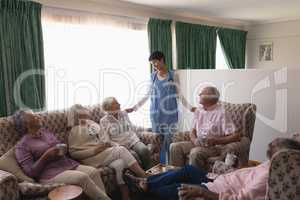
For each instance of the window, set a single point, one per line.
(88, 58)
(220, 57)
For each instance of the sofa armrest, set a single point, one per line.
(284, 173)
(8, 186)
(153, 141)
(181, 136)
(150, 138)
(241, 149)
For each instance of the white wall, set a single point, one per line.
(273, 90)
(285, 37)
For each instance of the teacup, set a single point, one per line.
(62, 147)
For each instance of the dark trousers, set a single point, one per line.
(165, 185)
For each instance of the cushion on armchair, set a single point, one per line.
(284, 173)
(221, 167)
(8, 186)
(153, 141)
(9, 163)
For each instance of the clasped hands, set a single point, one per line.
(206, 142)
(103, 146)
(189, 192)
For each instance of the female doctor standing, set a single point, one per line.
(163, 92)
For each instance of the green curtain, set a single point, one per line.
(233, 43)
(21, 56)
(160, 38)
(196, 46)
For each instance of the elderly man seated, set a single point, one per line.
(117, 126)
(190, 182)
(212, 129)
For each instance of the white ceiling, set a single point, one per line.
(251, 11)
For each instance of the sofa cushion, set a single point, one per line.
(220, 167)
(36, 189)
(8, 186)
(9, 163)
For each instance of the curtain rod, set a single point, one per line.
(143, 20)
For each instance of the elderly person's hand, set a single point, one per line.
(190, 192)
(193, 109)
(211, 141)
(102, 147)
(129, 110)
(108, 144)
(186, 192)
(205, 141)
(52, 154)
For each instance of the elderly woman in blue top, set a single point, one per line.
(163, 92)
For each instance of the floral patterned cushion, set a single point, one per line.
(181, 136)
(243, 117)
(284, 176)
(220, 167)
(36, 189)
(8, 186)
(8, 135)
(153, 141)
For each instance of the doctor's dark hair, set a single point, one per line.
(157, 55)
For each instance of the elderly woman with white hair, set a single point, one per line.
(91, 146)
(42, 157)
(119, 128)
(212, 129)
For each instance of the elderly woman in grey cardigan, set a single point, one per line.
(119, 128)
(91, 146)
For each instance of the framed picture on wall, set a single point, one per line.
(266, 51)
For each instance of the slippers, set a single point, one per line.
(134, 182)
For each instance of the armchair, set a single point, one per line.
(284, 181)
(243, 117)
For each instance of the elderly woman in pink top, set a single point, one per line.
(191, 182)
(244, 184)
(43, 157)
(212, 129)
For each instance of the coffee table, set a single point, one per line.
(68, 192)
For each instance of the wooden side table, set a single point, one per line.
(68, 192)
(253, 163)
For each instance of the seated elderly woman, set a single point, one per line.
(191, 182)
(43, 157)
(91, 146)
(118, 127)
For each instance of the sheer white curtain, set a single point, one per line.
(90, 56)
(220, 57)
